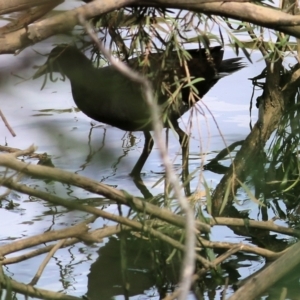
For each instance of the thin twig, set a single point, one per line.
(203, 271)
(45, 262)
(189, 257)
(6, 124)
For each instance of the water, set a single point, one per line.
(49, 120)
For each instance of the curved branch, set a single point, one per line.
(256, 14)
(7, 7)
(64, 22)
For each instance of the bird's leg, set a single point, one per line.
(142, 187)
(184, 143)
(142, 159)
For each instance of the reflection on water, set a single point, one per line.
(146, 268)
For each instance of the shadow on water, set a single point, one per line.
(147, 270)
(152, 271)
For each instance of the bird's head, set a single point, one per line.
(54, 61)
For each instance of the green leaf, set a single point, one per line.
(192, 82)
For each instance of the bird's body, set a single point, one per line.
(102, 94)
(115, 89)
(107, 96)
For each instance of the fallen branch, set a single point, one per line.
(31, 291)
(99, 212)
(50, 236)
(258, 284)
(9, 161)
(266, 225)
(94, 236)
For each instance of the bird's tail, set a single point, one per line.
(229, 66)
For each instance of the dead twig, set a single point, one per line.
(273, 273)
(189, 257)
(6, 124)
(45, 262)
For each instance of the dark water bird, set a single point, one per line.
(107, 96)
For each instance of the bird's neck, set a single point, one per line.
(77, 70)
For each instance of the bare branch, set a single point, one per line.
(51, 236)
(258, 284)
(64, 22)
(33, 291)
(7, 124)
(29, 16)
(43, 265)
(7, 7)
(96, 187)
(45, 237)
